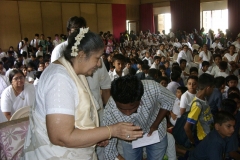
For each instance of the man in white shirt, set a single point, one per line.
(184, 54)
(171, 34)
(217, 44)
(35, 43)
(237, 44)
(56, 41)
(22, 46)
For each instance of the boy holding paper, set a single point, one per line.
(144, 103)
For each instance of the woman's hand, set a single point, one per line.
(126, 131)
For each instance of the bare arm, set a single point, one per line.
(188, 131)
(7, 115)
(182, 110)
(105, 95)
(161, 114)
(72, 137)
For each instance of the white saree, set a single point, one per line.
(37, 144)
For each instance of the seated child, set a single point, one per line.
(200, 112)
(217, 59)
(215, 99)
(162, 60)
(139, 66)
(127, 66)
(214, 144)
(156, 62)
(163, 70)
(175, 113)
(187, 97)
(163, 81)
(204, 68)
(174, 84)
(231, 81)
(193, 71)
(223, 68)
(230, 105)
(119, 64)
(168, 70)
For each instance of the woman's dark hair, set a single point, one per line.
(127, 89)
(89, 43)
(13, 73)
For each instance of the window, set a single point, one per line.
(164, 22)
(215, 19)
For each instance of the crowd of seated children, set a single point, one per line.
(149, 56)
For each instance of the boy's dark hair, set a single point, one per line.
(223, 117)
(38, 74)
(76, 22)
(182, 89)
(17, 65)
(127, 89)
(205, 63)
(175, 75)
(234, 96)
(145, 61)
(193, 77)
(25, 39)
(175, 64)
(193, 69)
(140, 62)
(205, 80)
(132, 71)
(219, 81)
(162, 67)
(156, 57)
(231, 77)
(19, 55)
(183, 60)
(24, 53)
(111, 65)
(229, 105)
(145, 67)
(177, 68)
(127, 60)
(217, 55)
(152, 72)
(36, 35)
(233, 89)
(163, 79)
(118, 57)
(223, 65)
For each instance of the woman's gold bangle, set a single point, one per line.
(110, 133)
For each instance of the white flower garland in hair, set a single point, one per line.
(78, 39)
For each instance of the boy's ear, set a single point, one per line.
(217, 126)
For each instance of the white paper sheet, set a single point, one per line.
(145, 140)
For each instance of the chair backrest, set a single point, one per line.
(195, 46)
(21, 113)
(12, 137)
(196, 58)
(175, 57)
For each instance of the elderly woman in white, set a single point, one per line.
(19, 94)
(64, 121)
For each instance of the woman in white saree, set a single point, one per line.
(19, 94)
(64, 120)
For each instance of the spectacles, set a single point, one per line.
(18, 78)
